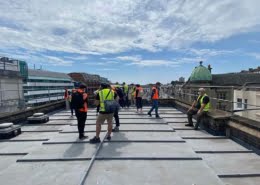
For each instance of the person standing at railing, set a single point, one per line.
(200, 106)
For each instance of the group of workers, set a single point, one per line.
(78, 99)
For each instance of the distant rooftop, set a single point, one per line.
(47, 74)
(235, 79)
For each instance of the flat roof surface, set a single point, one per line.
(146, 151)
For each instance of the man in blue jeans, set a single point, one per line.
(155, 97)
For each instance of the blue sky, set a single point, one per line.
(140, 41)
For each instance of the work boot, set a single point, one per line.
(115, 129)
(108, 138)
(82, 137)
(189, 125)
(94, 140)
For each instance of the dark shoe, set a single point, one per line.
(158, 116)
(149, 114)
(196, 128)
(116, 129)
(94, 140)
(189, 125)
(108, 138)
(83, 137)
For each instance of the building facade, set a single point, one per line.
(247, 102)
(11, 88)
(45, 86)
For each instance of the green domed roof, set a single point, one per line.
(200, 73)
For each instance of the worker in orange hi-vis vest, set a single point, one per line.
(155, 97)
(80, 104)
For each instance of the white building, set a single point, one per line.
(11, 89)
(45, 86)
(248, 101)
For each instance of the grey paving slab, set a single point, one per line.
(60, 122)
(19, 147)
(62, 151)
(242, 163)
(151, 173)
(87, 128)
(42, 128)
(242, 181)
(148, 120)
(173, 116)
(58, 173)
(146, 150)
(90, 117)
(192, 133)
(133, 127)
(73, 137)
(178, 120)
(6, 161)
(158, 136)
(178, 125)
(40, 135)
(215, 145)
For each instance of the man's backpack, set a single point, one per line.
(77, 100)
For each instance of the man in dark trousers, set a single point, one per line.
(80, 103)
(200, 106)
(155, 97)
(116, 115)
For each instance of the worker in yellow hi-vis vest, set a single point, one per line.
(200, 106)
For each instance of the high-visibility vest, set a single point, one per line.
(140, 92)
(207, 106)
(156, 94)
(103, 95)
(133, 91)
(85, 96)
(126, 89)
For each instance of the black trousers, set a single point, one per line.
(116, 116)
(81, 118)
(127, 103)
(121, 102)
(199, 117)
(139, 103)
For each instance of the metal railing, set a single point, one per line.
(10, 65)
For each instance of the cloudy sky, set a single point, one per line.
(132, 40)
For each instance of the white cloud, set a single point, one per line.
(107, 69)
(112, 26)
(256, 55)
(139, 61)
